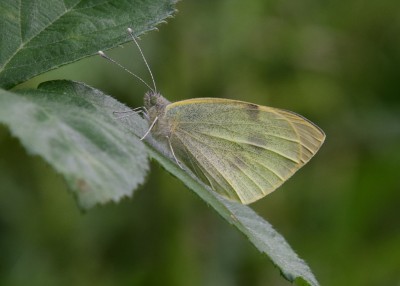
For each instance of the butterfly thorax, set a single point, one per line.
(155, 104)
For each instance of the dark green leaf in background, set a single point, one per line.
(40, 35)
(73, 127)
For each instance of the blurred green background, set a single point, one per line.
(335, 62)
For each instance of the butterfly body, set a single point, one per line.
(243, 151)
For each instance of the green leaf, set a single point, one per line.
(72, 126)
(258, 231)
(40, 35)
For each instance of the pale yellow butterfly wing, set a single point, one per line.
(242, 150)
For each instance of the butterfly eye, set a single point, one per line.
(153, 98)
(150, 99)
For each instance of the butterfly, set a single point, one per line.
(243, 151)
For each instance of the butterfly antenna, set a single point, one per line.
(130, 31)
(102, 54)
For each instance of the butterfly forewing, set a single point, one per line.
(241, 150)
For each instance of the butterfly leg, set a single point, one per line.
(139, 110)
(173, 153)
(151, 127)
(143, 110)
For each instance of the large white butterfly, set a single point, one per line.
(241, 150)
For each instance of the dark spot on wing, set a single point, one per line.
(252, 111)
(252, 106)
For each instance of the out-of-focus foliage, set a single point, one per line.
(73, 128)
(336, 63)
